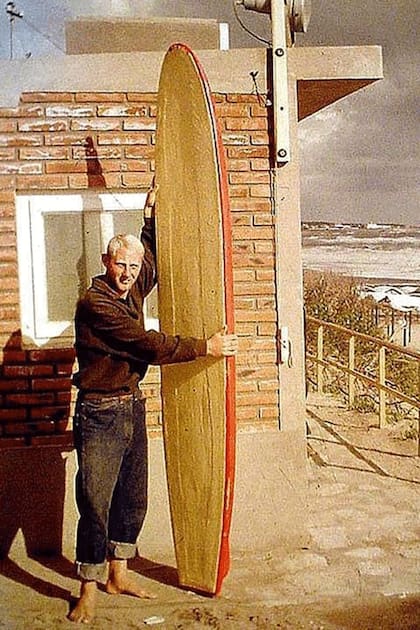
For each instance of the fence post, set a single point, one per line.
(352, 378)
(382, 393)
(418, 414)
(320, 356)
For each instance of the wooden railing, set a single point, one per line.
(380, 383)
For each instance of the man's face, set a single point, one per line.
(123, 268)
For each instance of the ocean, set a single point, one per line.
(386, 258)
(385, 253)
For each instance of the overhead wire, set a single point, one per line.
(245, 27)
(37, 30)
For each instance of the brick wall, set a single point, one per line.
(44, 146)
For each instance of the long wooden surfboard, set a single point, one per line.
(195, 292)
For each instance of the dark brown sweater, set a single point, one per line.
(112, 346)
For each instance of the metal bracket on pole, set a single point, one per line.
(280, 81)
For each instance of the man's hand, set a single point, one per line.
(149, 206)
(222, 345)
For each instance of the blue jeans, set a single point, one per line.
(111, 483)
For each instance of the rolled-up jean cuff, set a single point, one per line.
(121, 550)
(93, 572)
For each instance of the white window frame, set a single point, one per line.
(37, 329)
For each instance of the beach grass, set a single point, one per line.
(336, 299)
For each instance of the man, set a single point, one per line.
(113, 351)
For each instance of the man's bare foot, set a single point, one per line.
(84, 611)
(121, 580)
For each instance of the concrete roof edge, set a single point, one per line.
(139, 71)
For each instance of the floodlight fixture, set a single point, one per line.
(299, 11)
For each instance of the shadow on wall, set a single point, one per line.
(32, 474)
(35, 390)
(32, 486)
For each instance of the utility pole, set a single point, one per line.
(13, 13)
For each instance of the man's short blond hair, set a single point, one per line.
(127, 241)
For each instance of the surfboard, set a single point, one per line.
(195, 298)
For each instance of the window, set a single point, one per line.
(60, 240)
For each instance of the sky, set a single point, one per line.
(359, 156)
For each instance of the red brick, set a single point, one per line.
(29, 168)
(9, 297)
(245, 303)
(50, 384)
(30, 399)
(64, 441)
(13, 356)
(246, 414)
(250, 205)
(49, 413)
(63, 426)
(64, 397)
(112, 153)
(64, 369)
(81, 181)
(44, 182)
(9, 284)
(247, 152)
(260, 190)
(134, 165)
(7, 196)
(136, 180)
(15, 428)
(14, 385)
(20, 140)
(239, 191)
(93, 124)
(52, 355)
(146, 97)
(258, 138)
(230, 110)
(25, 111)
(46, 97)
(258, 109)
(15, 415)
(241, 233)
(260, 164)
(124, 110)
(266, 413)
(267, 329)
(245, 329)
(240, 139)
(73, 111)
(238, 165)
(44, 125)
(254, 177)
(68, 139)
(246, 386)
(122, 138)
(254, 316)
(99, 97)
(242, 124)
(43, 153)
(13, 371)
(137, 124)
(144, 151)
(7, 125)
(10, 443)
(263, 219)
(7, 181)
(9, 313)
(68, 166)
(241, 98)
